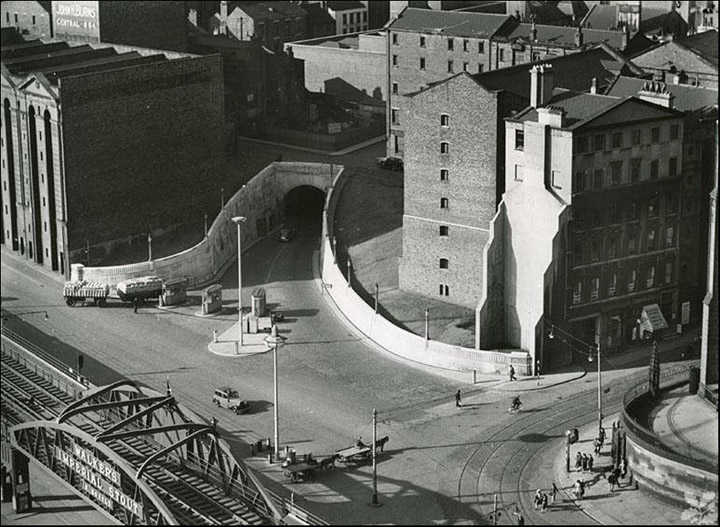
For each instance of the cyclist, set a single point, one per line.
(516, 404)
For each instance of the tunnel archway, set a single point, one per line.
(303, 206)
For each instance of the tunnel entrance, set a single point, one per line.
(303, 206)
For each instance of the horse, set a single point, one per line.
(328, 462)
(380, 443)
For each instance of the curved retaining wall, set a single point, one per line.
(659, 469)
(394, 339)
(260, 199)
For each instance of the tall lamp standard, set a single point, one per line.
(599, 390)
(275, 341)
(239, 220)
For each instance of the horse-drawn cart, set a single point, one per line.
(306, 469)
(354, 454)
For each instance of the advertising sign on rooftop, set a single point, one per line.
(76, 20)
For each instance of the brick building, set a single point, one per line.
(147, 24)
(455, 169)
(350, 16)
(343, 64)
(138, 145)
(425, 46)
(31, 18)
(586, 237)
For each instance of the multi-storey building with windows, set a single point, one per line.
(586, 236)
(350, 16)
(271, 23)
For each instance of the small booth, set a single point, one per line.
(211, 299)
(258, 302)
(174, 292)
(652, 321)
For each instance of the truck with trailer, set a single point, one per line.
(75, 292)
(140, 288)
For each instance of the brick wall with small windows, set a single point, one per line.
(31, 18)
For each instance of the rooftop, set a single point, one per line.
(565, 35)
(345, 5)
(269, 10)
(687, 98)
(703, 44)
(459, 24)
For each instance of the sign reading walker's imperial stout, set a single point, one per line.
(76, 20)
(100, 480)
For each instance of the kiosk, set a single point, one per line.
(211, 299)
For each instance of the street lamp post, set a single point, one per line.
(149, 238)
(239, 220)
(599, 391)
(374, 501)
(274, 341)
(427, 325)
(377, 296)
(349, 270)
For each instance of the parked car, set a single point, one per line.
(391, 163)
(287, 233)
(228, 398)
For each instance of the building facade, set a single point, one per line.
(31, 19)
(599, 254)
(271, 23)
(137, 145)
(349, 16)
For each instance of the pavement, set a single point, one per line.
(349, 149)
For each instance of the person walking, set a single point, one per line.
(512, 373)
(520, 519)
(590, 462)
(554, 492)
(537, 499)
(578, 461)
(135, 305)
(612, 481)
(544, 502)
(458, 399)
(584, 462)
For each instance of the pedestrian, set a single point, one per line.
(554, 492)
(582, 488)
(612, 481)
(590, 462)
(597, 445)
(520, 519)
(578, 461)
(135, 305)
(578, 489)
(602, 436)
(623, 468)
(544, 502)
(213, 423)
(458, 399)
(584, 462)
(512, 373)
(537, 500)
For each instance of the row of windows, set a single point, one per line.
(351, 18)
(611, 287)
(466, 44)
(584, 180)
(612, 245)
(612, 214)
(603, 142)
(450, 65)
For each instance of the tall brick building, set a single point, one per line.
(30, 18)
(455, 169)
(586, 237)
(102, 142)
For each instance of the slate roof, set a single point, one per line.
(601, 16)
(459, 24)
(345, 5)
(565, 35)
(703, 44)
(269, 10)
(687, 98)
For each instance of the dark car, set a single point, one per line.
(287, 233)
(390, 163)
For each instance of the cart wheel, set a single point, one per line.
(102, 302)
(294, 477)
(287, 474)
(70, 301)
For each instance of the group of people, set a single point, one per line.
(579, 489)
(584, 462)
(540, 501)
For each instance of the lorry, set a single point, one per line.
(225, 397)
(140, 288)
(78, 291)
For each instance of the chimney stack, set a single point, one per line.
(593, 86)
(223, 16)
(541, 85)
(579, 37)
(533, 30)
(656, 93)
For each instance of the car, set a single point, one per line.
(228, 398)
(391, 163)
(287, 233)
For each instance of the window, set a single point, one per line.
(579, 181)
(444, 174)
(451, 44)
(672, 167)
(635, 164)
(395, 60)
(444, 290)
(612, 284)
(395, 115)
(555, 178)
(612, 248)
(16, 18)
(466, 45)
(581, 145)
(616, 172)
(395, 88)
(43, 201)
(45, 226)
(671, 203)
(466, 65)
(481, 47)
(577, 292)
(444, 148)
(579, 219)
(670, 237)
(674, 131)
(614, 214)
(364, 16)
(650, 277)
(632, 279)
(422, 41)
(599, 142)
(668, 272)
(444, 120)
(651, 239)
(33, 20)
(444, 203)
(652, 207)
(598, 178)
(595, 289)
(578, 254)
(632, 243)
(345, 21)
(444, 263)
(518, 172)
(634, 212)
(444, 230)
(655, 134)
(654, 167)
(519, 139)
(636, 137)
(480, 68)
(594, 251)
(617, 140)
(501, 55)
(450, 66)
(394, 35)
(422, 63)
